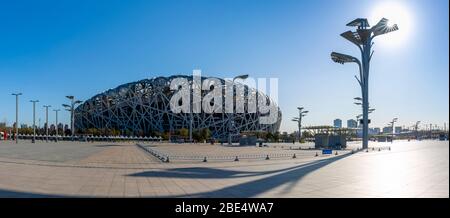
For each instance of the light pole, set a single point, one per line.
(298, 119)
(357, 119)
(46, 122)
(359, 103)
(392, 126)
(71, 108)
(191, 117)
(17, 115)
(56, 124)
(363, 38)
(416, 129)
(231, 119)
(34, 120)
(431, 131)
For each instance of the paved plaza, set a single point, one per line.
(104, 169)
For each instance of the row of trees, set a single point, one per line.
(183, 133)
(198, 135)
(39, 131)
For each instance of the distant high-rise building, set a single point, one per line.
(398, 129)
(52, 127)
(352, 123)
(23, 126)
(377, 130)
(387, 129)
(337, 123)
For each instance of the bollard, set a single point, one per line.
(367, 150)
(317, 154)
(389, 148)
(167, 159)
(294, 156)
(267, 157)
(336, 153)
(204, 160)
(379, 149)
(353, 151)
(373, 149)
(236, 159)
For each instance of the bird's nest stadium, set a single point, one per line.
(142, 108)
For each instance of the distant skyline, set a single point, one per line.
(50, 49)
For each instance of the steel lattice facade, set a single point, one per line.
(143, 107)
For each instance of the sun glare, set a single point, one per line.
(397, 13)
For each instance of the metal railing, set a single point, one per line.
(164, 157)
(381, 148)
(161, 156)
(86, 138)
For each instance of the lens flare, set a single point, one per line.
(397, 13)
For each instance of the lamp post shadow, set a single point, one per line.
(290, 175)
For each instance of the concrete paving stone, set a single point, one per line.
(410, 169)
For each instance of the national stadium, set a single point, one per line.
(142, 108)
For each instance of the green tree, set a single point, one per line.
(269, 136)
(206, 133)
(165, 136)
(184, 132)
(276, 136)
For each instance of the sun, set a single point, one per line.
(397, 13)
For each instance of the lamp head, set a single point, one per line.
(342, 58)
(383, 27)
(243, 77)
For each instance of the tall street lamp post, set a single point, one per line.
(392, 126)
(56, 124)
(46, 122)
(301, 113)
(363, 38)
(17, 116)
(416, 129)
(231, 119)
(34, 120)
(71, 109)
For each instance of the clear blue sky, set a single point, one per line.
(49, 49)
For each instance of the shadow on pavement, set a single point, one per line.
(289, 176)
(108, 145)
(17, 194)
(200, 173)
